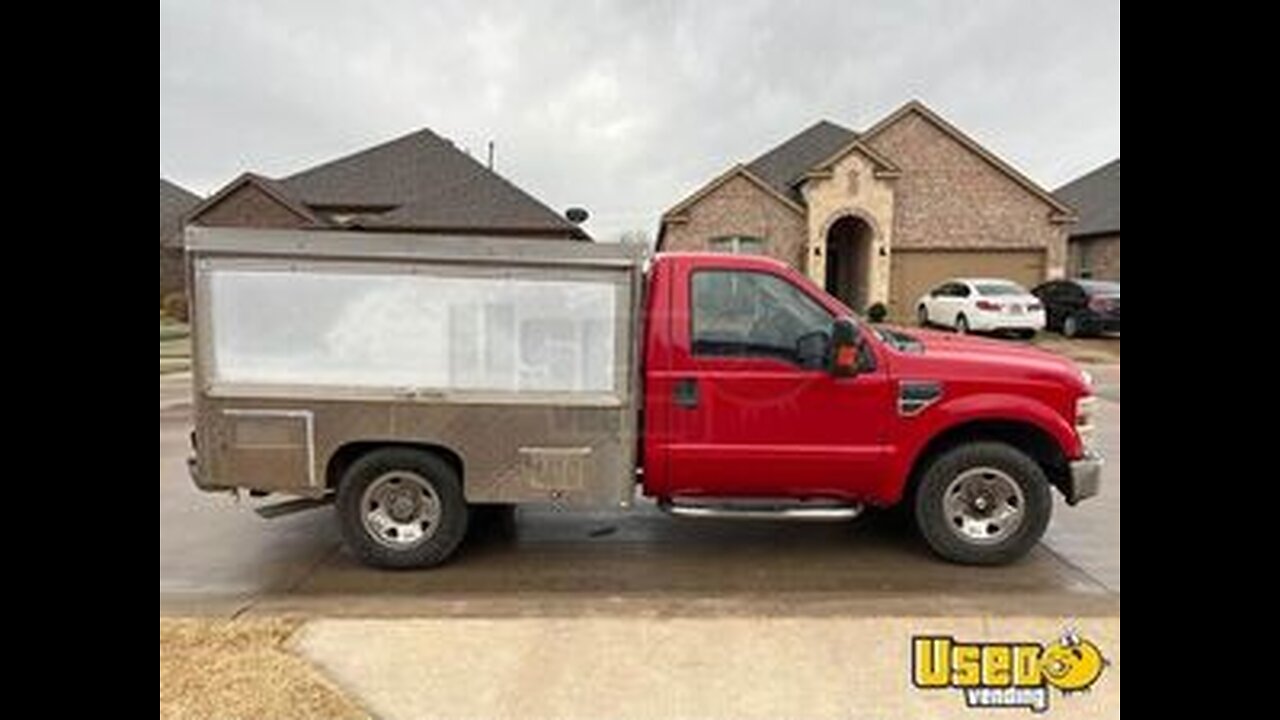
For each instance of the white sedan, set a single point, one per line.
(982, 305)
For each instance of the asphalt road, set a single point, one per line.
(218, 557)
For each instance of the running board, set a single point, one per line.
(290, 507)
(746, 509)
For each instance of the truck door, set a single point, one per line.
(753, 410)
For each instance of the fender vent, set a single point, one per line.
(916, 395)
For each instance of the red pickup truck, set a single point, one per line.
(409, 381)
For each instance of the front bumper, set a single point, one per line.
(1085, 479)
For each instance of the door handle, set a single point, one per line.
(686, 393)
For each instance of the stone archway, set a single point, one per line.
(849, 242)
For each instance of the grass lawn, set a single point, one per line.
(214, 668)
(175, 346)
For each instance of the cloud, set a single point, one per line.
(625, 107)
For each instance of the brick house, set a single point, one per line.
(419, 182)
(175, 203)
(881, 215)
(1093, 249)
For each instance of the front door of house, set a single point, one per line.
(839, 279)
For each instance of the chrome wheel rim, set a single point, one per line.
(983, 506)
(400, 509)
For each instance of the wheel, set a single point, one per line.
(1071, 326)
(922, 315)
(1026, 334)
(983, 503)
(962, 324)
(401, 508)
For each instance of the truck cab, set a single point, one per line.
(755, 406)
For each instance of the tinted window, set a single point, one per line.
(951, 289)
(1055, 292)
(961, 290)
(743, 313)
(998, 289)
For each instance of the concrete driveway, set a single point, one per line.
(216, 556)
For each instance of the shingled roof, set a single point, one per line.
(419, 182)
(1096, 199)
(175, 202)
(785, 164)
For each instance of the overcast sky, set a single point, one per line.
(625, 107)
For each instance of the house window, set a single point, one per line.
(1086, 260)
(738, 245)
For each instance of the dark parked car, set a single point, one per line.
(1080, 307)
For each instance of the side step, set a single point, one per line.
(761, 509)
(289, 507)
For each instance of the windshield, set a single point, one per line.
(999, 288)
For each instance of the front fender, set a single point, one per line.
(916, 433)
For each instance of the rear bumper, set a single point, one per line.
(197, 476)
(1093, 322)
(196, 470)
(1086, 478)
(989, 321)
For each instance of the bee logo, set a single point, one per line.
(1072, 664)
(1007, 674)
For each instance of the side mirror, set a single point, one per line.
(844, 348)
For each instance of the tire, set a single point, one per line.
(391, 493)
(1026, 334)
(1071, 326)
(962, 324)
(922, 316)
(965, 497)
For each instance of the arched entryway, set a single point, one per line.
(848, 276)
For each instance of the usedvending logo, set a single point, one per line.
(1006, 674)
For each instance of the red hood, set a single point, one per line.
(1001, 357)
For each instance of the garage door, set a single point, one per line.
(917, 271)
